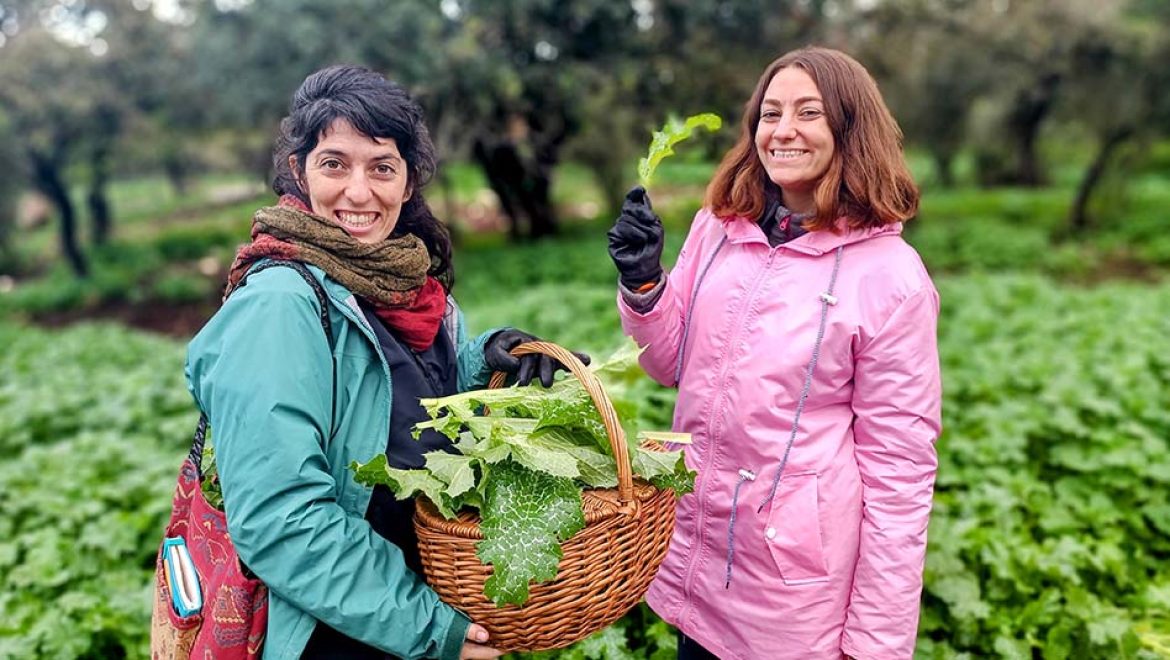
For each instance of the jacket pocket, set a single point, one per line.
(793, 533)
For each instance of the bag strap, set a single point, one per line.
(196, 454)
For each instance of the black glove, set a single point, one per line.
(495, 353)
(635, 241)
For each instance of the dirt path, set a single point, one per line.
(177, 320)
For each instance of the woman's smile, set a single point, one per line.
(355, 220)
(787, 154)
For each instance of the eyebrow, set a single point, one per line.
(342, 154)
(803, 99)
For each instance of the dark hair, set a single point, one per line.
(867, 180)
(377, 108)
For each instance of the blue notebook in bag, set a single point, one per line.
(186, 596)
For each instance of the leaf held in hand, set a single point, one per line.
(673, 132)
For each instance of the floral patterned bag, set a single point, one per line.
(232, 622)
(233, 618)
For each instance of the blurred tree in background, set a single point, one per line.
(9, 188)
(515, 84)
(991, 76)
(520, 86)
(76, 80)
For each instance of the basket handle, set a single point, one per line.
(613, 428)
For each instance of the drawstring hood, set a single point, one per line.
(827, 300)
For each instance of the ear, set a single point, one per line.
(292, 166)
(408, 194)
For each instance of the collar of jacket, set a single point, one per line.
(742, 230)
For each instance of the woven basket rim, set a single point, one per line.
(604, 500)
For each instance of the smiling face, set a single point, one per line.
(357, 181)
(793, 139)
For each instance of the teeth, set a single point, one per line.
(787, 153)
(357, 219)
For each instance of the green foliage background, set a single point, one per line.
(1050, 533)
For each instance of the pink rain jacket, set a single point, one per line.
(833, 564)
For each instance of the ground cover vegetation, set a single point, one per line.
(1051, 521)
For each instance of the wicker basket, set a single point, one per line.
(606, 567)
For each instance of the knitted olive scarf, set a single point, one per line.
(391, 275)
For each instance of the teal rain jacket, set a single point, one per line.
(288, 414)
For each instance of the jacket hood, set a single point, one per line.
(743, 230)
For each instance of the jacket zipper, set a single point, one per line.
(358, 318)
(688, 579)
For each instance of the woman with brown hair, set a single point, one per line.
(799, 329)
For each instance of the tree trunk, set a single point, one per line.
(1079, 219)
(944, 167)
(7, 221)
(450, 208)
(177, 174)
(611, 180)
(47, 179)
(500, 177)
(539, 202)
(522, 188)
(1031, 108)
(1027, 161)
(108, 125)
(96, 200)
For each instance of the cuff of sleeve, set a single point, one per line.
(456, 634)
(479, 376)
(643, 301)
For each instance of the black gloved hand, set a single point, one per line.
(635, 241)
(525, 367)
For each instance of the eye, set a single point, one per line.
(770, 114)
(331, 164)
(810, 113)
(385, 169)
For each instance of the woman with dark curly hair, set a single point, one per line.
(292, 407)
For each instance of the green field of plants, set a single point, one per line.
(1051, 531)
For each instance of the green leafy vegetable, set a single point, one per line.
(673, 132)
(525, 517)
(405, 483)
(524, 465)
(455, 470)
(665, 470)
(212, 490)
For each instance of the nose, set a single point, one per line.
(357, 188)
(785, 128)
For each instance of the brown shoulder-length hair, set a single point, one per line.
(867, 180)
